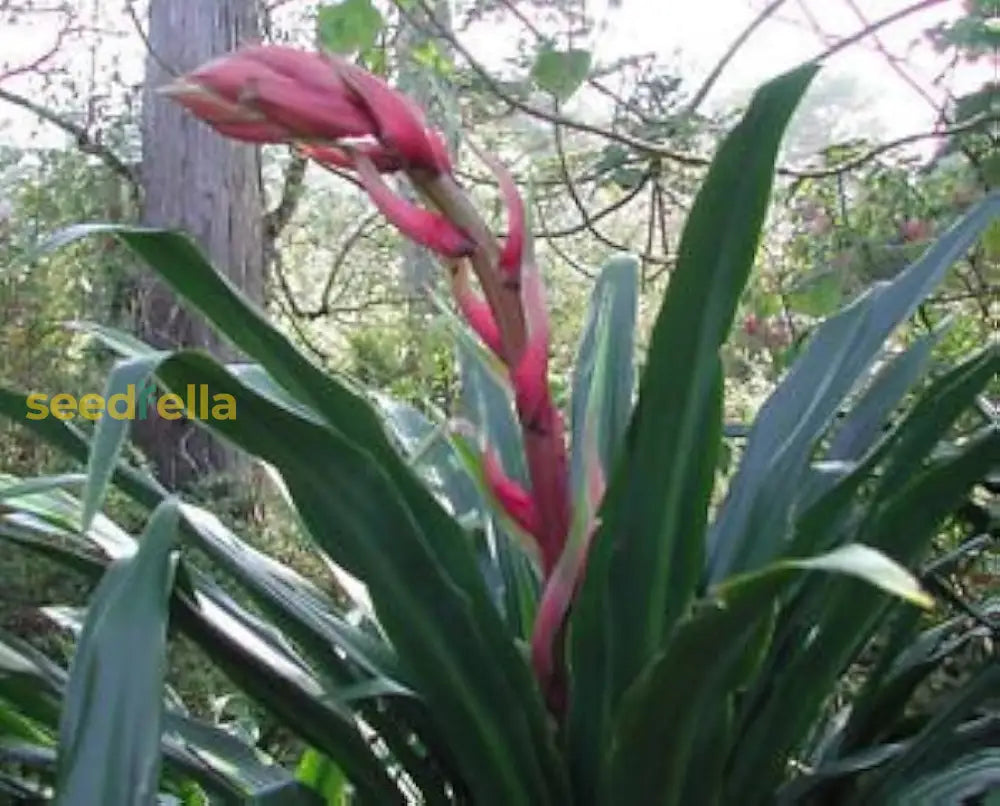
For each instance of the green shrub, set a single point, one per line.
(661, 649)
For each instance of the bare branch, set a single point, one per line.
(85, 141)
(581, 208)
(593, 218)
(878, 25)
(292, 188)
(727, 57)
(891, 60)
(890, 145)
(646, 147)
(35, 64)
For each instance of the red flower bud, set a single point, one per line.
(399, 123)
(272, 93)
(562, 584)
(530, 376)
(384, 161)
(422, 226)
(300, 94)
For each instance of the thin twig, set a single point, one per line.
(44, 57)
(85, 141)
(167, 68)
(892, 61)
(581, 208)
(731, 52)
(878, 25)
(647, 147)
(292, 187)
(593, 218)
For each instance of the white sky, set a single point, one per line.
(697, 32)
(703, 30)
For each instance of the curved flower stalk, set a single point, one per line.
(343, 117)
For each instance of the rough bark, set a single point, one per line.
(196, 181)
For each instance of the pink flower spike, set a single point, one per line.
(530, 376)
(514, 499)
(422, 226)
(299, 92)
(384, 161)
(228, 118)
(512, 253)
(475, 310)
(400, 124)
(480, 317)
(560, 590)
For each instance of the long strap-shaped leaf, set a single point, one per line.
(250, 652)
(693, 677)
(109, 734)
(753, 521)
(647, 558)
(616, 297)
(839, 618)
(345, 412)
(356, 514)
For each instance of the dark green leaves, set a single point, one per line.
(368, 510)
(753, 521)
(109, 735)
(561, 72)
(348, 26)
(690, 683)
(646, 560)
(613, 301)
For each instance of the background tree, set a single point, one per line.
(206, 186)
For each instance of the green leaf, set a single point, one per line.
(753, 521)
(257, 659)
(561, 72)
(437, 572)
(823, 630)
(873, 567)
(225, 766)
(925, 424)
(870, 413)
(426, 446)
(127, 378)
(933, 413)
(973, 776)
(647, 557)
(818, 295)
(42, 484)
(935, 739)
(615, 296)
(254, 655)
(711, 654)
(905, 664)
(368, 530)
(348, 26)
(323, 776)
(109, 734)
(487, 403)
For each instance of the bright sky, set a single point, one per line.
(703, 30)
(696, 34)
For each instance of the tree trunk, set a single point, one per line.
(196, 181)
